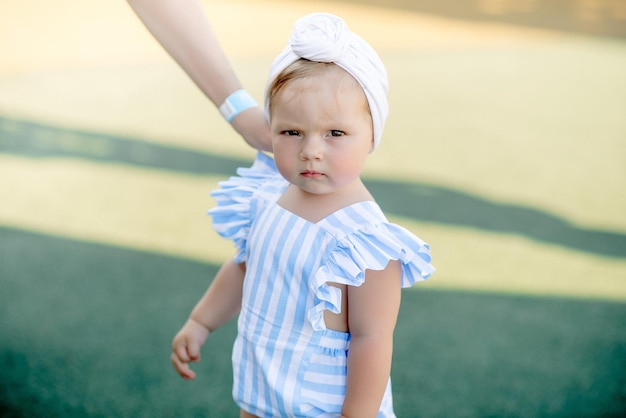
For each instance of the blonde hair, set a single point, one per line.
(303, 69)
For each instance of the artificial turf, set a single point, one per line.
(86, 330)
(508, 155)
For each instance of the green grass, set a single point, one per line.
(506, 157)
(86, 330)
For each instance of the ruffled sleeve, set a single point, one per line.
(369, 248)
(235, 201)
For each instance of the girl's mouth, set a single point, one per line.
(311, 174)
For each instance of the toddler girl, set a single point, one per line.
(323, 266)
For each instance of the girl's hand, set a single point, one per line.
(186, 347)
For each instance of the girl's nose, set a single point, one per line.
(312, 148)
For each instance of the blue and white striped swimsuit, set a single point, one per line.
(286, 363)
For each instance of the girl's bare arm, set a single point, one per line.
(222, 300)
(220, 303)
(372, 314)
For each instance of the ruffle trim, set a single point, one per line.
(233, 213)
(369, 248)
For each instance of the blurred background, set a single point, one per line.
(505, 150)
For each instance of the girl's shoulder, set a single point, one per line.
(270, 183)
(364, 240)
(261, 180)
(239, 198)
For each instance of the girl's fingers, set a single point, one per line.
(180, 349)
(186, 348)
(193, 350)
(182, 367)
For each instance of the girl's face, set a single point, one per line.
(321, 131)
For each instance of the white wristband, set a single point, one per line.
(236, 103)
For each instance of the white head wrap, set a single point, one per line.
(323, 37)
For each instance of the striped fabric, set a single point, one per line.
(285, 362)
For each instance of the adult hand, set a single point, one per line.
(252, 126)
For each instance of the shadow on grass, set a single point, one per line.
(86, 331)
(414, 200)
(452, 207)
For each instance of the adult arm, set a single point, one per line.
(220, 303)
(372, 315)
(183, 29)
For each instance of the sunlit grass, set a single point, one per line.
(473, 259)
(101, 262)
(165, 212)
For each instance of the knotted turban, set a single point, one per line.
(323, 37)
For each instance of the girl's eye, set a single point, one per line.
(291, 133)
(336, 133)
